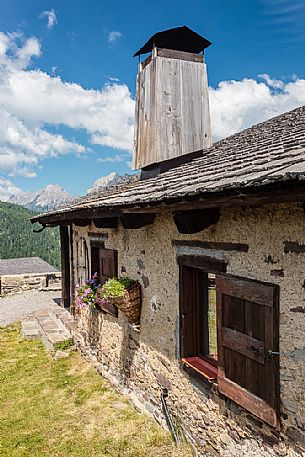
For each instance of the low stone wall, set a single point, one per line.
(11, 284)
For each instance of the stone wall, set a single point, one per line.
(12, 284)
(140, 363)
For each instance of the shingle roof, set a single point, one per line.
(270, 152)
(25, 265)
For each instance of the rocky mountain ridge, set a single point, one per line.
(53, 196)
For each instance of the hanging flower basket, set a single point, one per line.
(125, 293)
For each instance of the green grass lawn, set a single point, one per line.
(65, 409)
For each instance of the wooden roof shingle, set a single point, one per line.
(269, 152)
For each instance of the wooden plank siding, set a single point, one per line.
(172, 110)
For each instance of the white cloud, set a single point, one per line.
(51, 16)
(236, 105)
(7, 189)
(112, 159)
(30, 99)
(16, 53)
(114, 35)
(21, 147)
(273, 83)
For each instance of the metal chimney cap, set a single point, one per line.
(178, 38)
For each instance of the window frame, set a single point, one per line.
(97, 251)
(203, 364)
(82, 260)
(249, 293)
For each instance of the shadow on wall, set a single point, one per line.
(129, 344)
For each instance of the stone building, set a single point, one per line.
(26, 273)
(220, 227)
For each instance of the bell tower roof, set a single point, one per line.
(178, 38)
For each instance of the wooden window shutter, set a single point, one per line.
(107, 264)
(247, 329)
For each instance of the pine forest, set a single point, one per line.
(17, 238)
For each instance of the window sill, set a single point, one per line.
(202, 367)
(108, 309)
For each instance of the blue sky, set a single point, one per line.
(67, 78)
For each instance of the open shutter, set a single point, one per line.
(108, 264)
(247, 328)
(108, 268)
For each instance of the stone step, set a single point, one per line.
(52, 325)
(30, 329)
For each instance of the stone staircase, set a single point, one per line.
(52, 325)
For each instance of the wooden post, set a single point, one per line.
(65, 265)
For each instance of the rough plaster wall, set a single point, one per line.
(140, 362)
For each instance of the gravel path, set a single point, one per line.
(13, 308)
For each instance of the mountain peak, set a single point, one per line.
(45, 199)
(108, 181)
(52, 195)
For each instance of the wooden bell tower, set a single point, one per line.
(172, 116)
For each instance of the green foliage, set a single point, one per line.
(63, 345)
(126, 281)
(115, 287)
(18, 240)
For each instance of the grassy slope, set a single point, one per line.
(65, 409)
(18, 240)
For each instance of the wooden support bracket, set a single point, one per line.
(196, 220)
(107, 222)
(136, 221)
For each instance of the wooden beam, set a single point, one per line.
(66, 218)
(173, 54)
(206, 263)
(157, 168)
(249, 401)
(65, 265)
(196, 220)
(107, 222)
(72, 285)
(279, 193)
(81, 222)
(136, 221)
(217, 245)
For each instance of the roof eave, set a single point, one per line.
(276, 192)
